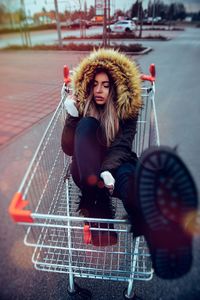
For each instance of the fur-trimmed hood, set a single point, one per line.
(124, 72)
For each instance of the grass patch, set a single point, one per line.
(78, 47)
(155, 37)
(28, 28)
(128, 35)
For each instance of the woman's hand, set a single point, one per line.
(70, 106)
(109, 181)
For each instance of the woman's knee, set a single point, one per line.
(87, 125)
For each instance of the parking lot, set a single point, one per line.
(30, 84)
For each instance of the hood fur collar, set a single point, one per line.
(125, 74)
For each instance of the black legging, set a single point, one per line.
(89, 152)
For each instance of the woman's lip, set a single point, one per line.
(98, 97)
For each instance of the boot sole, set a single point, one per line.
(167, 196)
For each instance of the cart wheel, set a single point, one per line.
(135, 297)
(80, 293)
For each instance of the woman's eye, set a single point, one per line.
(105, 85)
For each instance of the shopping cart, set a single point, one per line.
(54, 229)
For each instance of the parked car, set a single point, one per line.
(76, 23)
(155, 21)
(122, 26)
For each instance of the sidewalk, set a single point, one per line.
(30, 91)
(30, 88)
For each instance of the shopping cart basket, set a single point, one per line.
(53, 227)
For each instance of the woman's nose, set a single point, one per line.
(99, 88)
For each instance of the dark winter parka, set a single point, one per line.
(126, 78)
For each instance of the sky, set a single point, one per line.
(33, 6)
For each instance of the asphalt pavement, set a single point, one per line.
(30, 91)
(50, 37)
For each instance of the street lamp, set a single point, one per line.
(26, 32)
(153, 14)
(106, 19)
(58, 25)
(140, 13)
(105, 24)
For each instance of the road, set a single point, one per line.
(177, 101)
(50, 37)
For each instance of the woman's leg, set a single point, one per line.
(95, 202)
(163, 193)
(88, 154)
(88, 151)
(125, 191)
(124, 185)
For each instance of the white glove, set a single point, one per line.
(70, 107)
(108, 179)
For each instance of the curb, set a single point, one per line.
(145, 51)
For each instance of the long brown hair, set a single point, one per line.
(107, 115)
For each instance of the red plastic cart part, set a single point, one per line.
(152, 76)
(17, 211)
(66, 74)
(147, 77)
(152, 70)
(87, 236)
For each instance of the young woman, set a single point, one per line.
(98, 134)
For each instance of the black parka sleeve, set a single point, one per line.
(67, 139)
(120, 150)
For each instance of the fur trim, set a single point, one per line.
(125, 74)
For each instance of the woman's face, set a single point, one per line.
(101, 88)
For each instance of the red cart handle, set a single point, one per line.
(152, 76)
(67, 79)
(17, 211)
